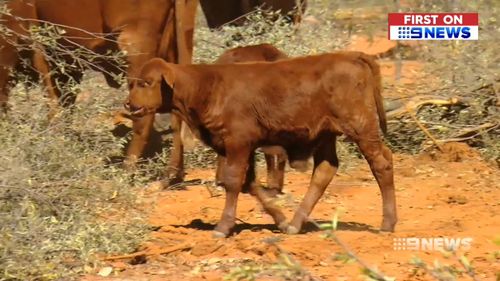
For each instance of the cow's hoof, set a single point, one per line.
(283, 227)
(292, 230)
(387, 226)
(218, 234)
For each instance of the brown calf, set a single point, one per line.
(275, 159)
(301, 104)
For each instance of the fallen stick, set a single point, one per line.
(416, 102)
(168, 250)
(422, 127)
(464, 134)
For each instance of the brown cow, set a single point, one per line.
(220, 12)
(142, 29)
(300, 104)
(275, 159)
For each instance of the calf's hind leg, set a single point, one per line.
(326, 164)
(379, 158)
(265, 198)
(275, 172)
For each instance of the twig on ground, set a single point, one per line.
(290, 261)
(168, 250)
(422, 127)
(375, 273)
(185, 184)
(466, 133)
(416, 102)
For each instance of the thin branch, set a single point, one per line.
(156, 252)
(462, 136)
(336, 239)
(422, 127)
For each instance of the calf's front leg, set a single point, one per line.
(234, 175)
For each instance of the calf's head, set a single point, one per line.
(152, 91)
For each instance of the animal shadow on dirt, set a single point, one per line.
(198, 224)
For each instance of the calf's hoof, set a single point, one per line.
(283, 227)
(387, 226)
(292, 230)
(174, 175)
(217, 234)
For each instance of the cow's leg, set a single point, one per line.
(4, 89)
(8, 60)
(141, 130)
(140, 46)
(235, 172)
(275, 172)
(175, 170)
(325, 166)
(379, 158)
(43, 68)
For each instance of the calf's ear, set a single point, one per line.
(168, 74)
(156, 68)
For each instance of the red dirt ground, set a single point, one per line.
(452, 194)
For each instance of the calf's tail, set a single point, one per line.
(379, 101)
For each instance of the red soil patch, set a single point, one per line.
(439, 195)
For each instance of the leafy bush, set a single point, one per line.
(60, 200)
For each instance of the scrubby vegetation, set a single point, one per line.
(60, 202)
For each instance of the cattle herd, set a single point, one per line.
(251, 97)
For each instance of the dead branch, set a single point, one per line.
(471, 133)
(163, 251)
(423, 128)
(416, 102)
